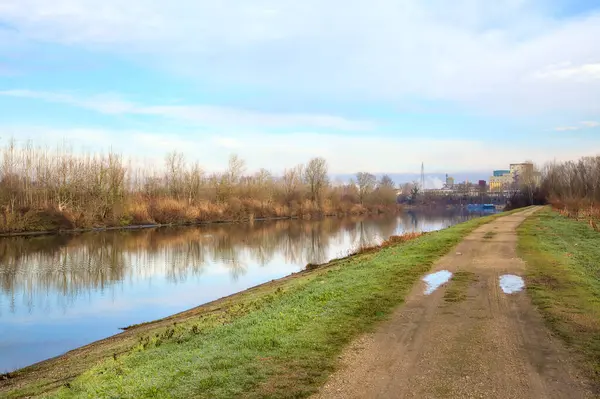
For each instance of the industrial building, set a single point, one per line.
(516, 175)
(501, 180)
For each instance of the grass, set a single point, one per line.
(459, 284)
(280, 340)
(563, 279)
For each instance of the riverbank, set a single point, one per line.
(276, 338)
(47, 222)
(563, 276)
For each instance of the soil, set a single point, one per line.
(487, 345)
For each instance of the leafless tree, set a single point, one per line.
(316, 178)
(366, 185)
(386, 192)
(292, 182)
(55, 188)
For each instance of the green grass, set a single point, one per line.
(459, 284)
(563, 279)
(275, 343)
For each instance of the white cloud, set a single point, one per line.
(201, 115)
(107, 104)
(566, 128)
(590, 123)
(579, 73)
(582, 125)
(345, 154)
(507, 56)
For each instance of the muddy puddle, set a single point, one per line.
(511, 283)
(436, 280)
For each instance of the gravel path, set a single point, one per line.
(489, 345)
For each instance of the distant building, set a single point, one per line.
(481, 183)
(449, 182)
(519, 173)
(501, 180)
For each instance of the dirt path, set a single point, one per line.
(489, 345)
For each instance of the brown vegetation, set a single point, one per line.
(573, 189)
(51, 190)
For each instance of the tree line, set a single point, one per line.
(574, 187)
(53, 189)
(574, 180)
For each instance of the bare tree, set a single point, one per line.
(226, 183)
(316, 178)
(236, 169)
(292, 182)
(366, 184)
(386, 193)
(64, 189)
(194, 181)
(175, 164)
(262, 186)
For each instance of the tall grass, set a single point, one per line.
(60, 189)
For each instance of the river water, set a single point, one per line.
(61, 292)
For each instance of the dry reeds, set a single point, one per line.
(44, 189)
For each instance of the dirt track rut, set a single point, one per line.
(490, 345)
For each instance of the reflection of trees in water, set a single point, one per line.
(74, 265)
(371, 231)
(433, 219)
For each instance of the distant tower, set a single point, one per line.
(422, 176)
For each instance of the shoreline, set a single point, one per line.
(186, 224)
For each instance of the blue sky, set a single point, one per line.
(371, 85)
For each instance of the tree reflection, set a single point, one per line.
(70, 267)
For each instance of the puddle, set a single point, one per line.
(435, 280)
(511, 283)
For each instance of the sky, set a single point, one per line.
(376, 86)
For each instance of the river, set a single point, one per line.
(61, 292)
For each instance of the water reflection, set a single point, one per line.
(60, 292)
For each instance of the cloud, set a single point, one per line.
(582, 125)
(199, 115)
(566, 128)
(590, 123)
(580, 73)
(106, 104)
(344, 154)
(510, 57)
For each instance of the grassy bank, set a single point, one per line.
(563, 276)
(281, 339)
